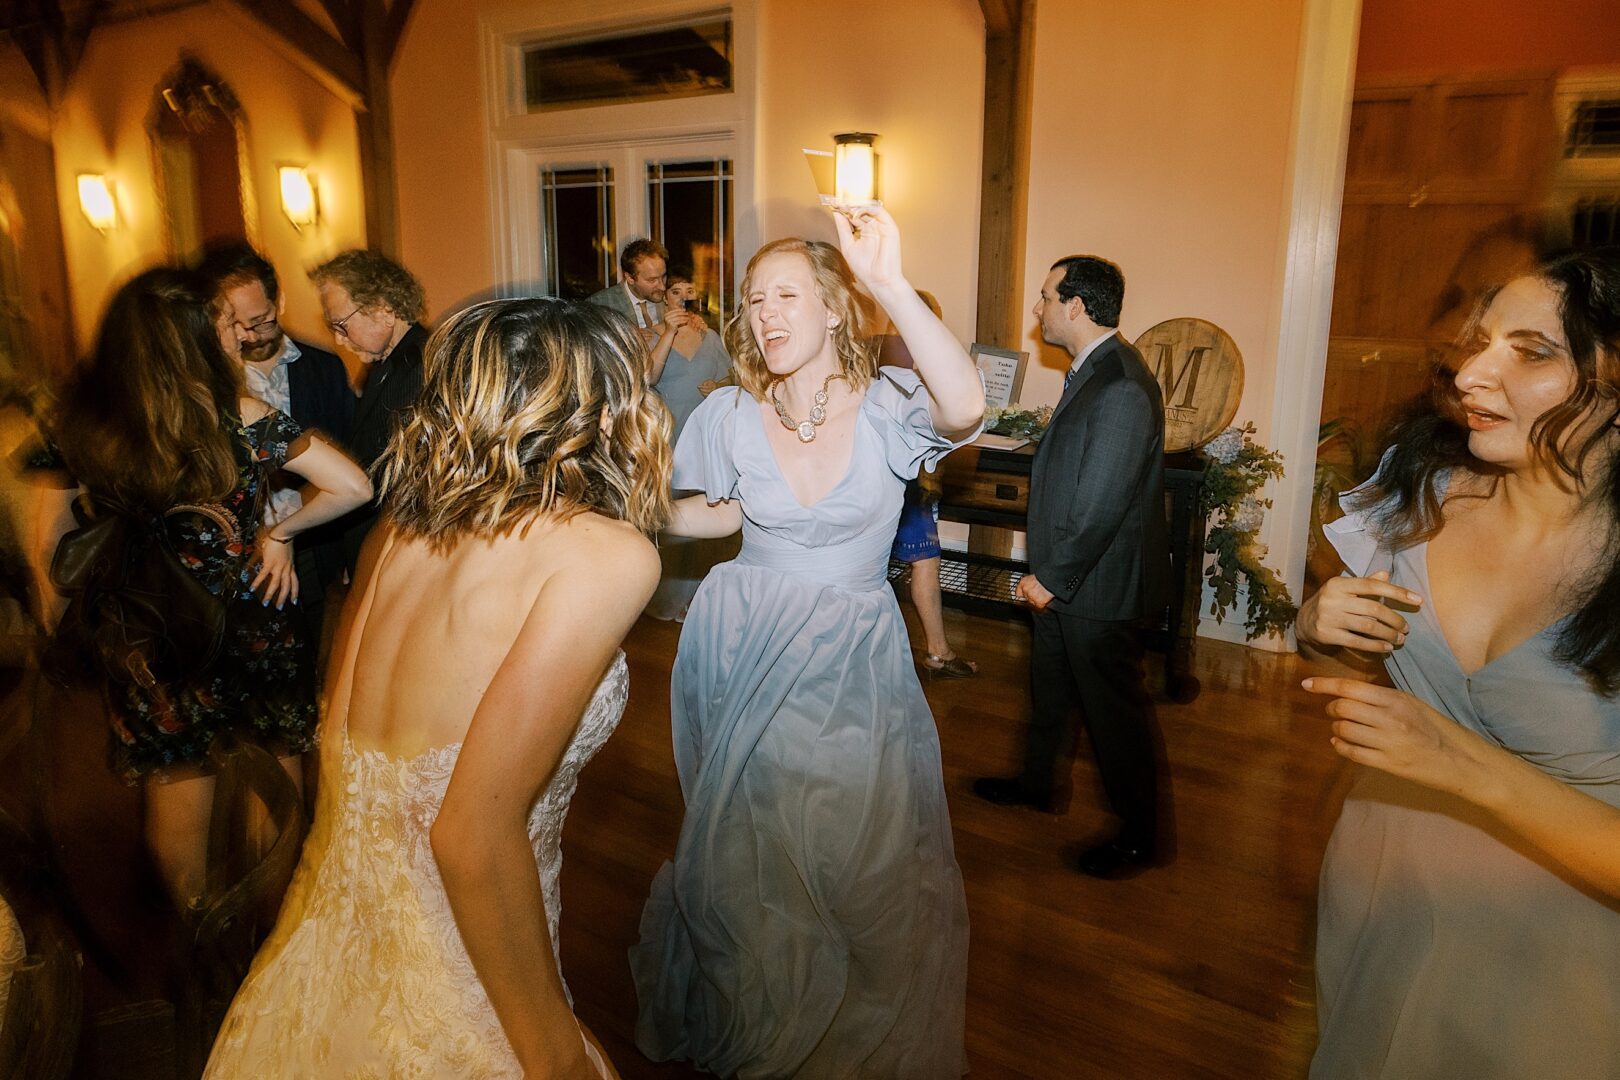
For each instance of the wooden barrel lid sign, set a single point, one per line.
(1200, 373)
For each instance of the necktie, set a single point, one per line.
(646, 312)
(1069, 378)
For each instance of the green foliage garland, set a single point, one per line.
(1237, 469)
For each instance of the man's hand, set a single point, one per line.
(1033, 593)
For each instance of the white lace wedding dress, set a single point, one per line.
(365, 976)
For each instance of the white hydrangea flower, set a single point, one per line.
(1226, 446)
(1251, 514)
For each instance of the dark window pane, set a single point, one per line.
(689, 206)
(577, 223)
(1594, 130)
(673, 62)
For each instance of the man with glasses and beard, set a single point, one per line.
(307, 383)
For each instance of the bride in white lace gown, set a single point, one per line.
(478, 671)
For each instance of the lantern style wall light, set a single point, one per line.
(96, 202)
(855, 168)
(298, 197)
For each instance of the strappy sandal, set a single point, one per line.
(951, 667)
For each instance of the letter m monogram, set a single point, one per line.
(1173, 377)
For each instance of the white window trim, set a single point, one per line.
(519, 142)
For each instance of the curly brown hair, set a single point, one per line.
(511, 421)
(374, 281)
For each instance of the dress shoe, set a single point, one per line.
(1113, 860)
(1012, 792)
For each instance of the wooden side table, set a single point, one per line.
(988, 490)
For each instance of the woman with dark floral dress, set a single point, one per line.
(156, 422)
(262, 686)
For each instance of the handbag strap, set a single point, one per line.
(213, 511)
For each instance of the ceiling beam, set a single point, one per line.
(310, 41)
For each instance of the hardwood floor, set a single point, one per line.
(1197, 969)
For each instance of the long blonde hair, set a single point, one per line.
(835, 287)
(510, 421)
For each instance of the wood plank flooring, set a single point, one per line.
(1200, 969)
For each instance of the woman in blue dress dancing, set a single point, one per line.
(812, 922)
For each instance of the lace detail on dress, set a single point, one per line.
(366, 974)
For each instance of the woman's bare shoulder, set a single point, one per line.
(599, 543)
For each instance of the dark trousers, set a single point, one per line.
(1097, 667)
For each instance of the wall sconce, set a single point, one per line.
(855, 168)
(96, 202)
(298, 198)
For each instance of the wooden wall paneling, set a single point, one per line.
(1493, 140)
(1387, 152)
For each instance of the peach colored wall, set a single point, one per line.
(923, 92)
(910, 70)
(101, 127)
(1160, 140)
(1455, 36)
(440, 152)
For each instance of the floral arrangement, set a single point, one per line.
(1016, 423)
(1238, 468)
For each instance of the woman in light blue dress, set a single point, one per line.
(689, 362)
(1469, 913)
(812, 922)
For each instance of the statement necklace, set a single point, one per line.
(806, 429)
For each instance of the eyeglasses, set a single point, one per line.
(337, 326)
(263, 326)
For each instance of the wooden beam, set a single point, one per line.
(345, 15)
(1004, 181)
(1000, 16)
(398, 15)
(310, 42)
(374, 125)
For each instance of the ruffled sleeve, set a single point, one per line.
(898, 403)
(704, 457)
(1353, 535)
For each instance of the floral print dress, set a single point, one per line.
(261, 689)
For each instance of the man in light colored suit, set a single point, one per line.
(639, 293)
(1099, 562)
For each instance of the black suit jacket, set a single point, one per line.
(1096, 535)
(321, 397)
(322, 401)
(392, 387)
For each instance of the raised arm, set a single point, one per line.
(1389, 729)
(870, 241)
(513, 746)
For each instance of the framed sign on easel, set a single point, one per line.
(1003, 371)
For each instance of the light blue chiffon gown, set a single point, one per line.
(812, 923)
(1445, 946)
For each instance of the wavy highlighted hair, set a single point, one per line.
(835, 287)
(510, 423)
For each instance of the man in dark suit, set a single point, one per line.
(307, 383)
(1099, 566)
(639, 294)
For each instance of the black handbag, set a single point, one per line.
(135, 614)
